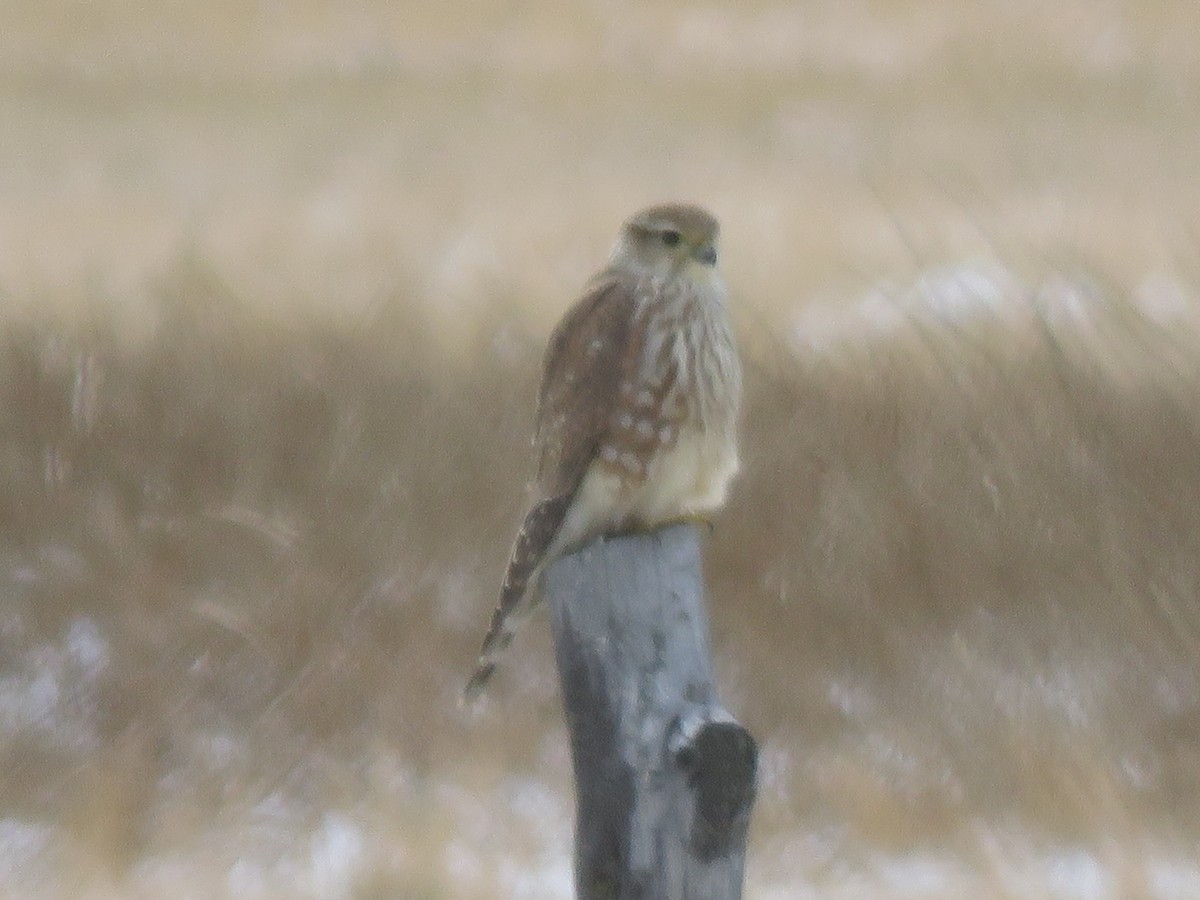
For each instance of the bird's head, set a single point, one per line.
(670, 239)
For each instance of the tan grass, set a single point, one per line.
(274, 290)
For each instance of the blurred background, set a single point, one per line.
(274, 282)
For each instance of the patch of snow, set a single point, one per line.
(336, 855)
(28, 701)
(86, 647)
(538, 807)
(22, 844)
(961, 293)
(1175, 879)
(552, 879)
(1162, 298)
(462, 862)
(1075, 873)
(219, 751)
(49, 692)
(275, 808)
(917, 876)
(952, 293)
(246, 878)
(1065, 301)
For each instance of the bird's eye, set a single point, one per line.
(671, 238)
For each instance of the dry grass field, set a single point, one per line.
(274, 282)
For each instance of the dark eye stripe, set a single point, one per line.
(670, 237)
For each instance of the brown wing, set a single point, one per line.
(586, 359)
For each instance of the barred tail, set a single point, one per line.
(517, 593)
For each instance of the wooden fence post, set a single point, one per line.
(664, 775)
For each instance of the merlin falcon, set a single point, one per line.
(638, 407)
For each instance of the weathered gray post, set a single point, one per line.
(664, 776)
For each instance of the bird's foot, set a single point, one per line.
(700, 519)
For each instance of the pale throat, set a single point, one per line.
(688, 273)
(704, 277)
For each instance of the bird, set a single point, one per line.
(637, 413)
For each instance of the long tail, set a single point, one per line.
(524, 566)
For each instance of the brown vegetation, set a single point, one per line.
(274, 300)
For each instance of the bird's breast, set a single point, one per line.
(690, 367)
